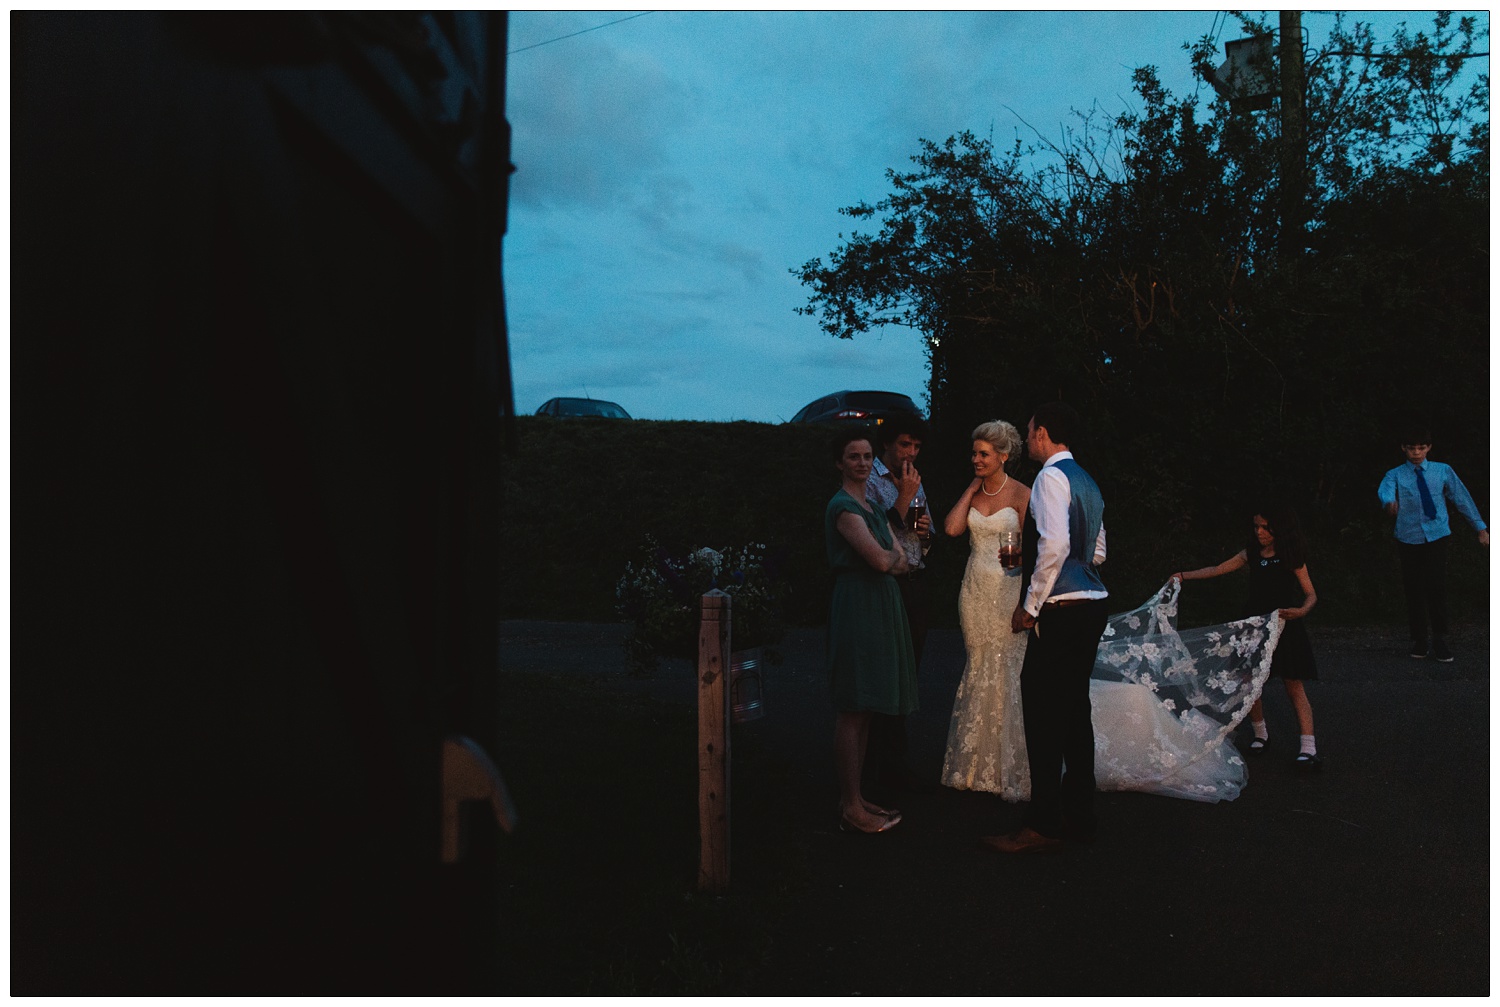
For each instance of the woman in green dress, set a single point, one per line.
(870, 666)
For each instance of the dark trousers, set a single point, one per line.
(1423, 573)
(1059, 720)
(888, 742)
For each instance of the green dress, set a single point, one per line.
(870, 664)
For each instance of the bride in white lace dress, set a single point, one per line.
(987, 737)
(1165, 701)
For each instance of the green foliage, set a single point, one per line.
(1136, 269)
(581, 495)
(661, 594)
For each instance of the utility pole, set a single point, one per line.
(1293, 137)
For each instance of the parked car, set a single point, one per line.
(582, 407)
(856, 407)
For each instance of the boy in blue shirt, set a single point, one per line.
(1416, 495)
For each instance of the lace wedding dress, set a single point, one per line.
(1165, 701)
(987, 736)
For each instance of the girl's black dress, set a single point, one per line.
(1274, 585)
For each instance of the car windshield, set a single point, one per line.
(879, 400)
(591, 407)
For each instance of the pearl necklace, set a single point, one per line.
(997, 492)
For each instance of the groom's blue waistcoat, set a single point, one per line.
(1085, 518)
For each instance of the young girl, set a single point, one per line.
(1276, 556)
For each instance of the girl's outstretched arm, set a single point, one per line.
(1310, 597)
(1233, 563)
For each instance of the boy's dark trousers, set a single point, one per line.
(1423, 572)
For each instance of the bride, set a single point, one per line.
(1165, 701)
(986, 737)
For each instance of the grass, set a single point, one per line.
(599, 879)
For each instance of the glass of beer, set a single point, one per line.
(1010, 550)
(914, 514)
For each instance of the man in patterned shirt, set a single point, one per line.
(895, 487)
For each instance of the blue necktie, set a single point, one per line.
(1428, 507)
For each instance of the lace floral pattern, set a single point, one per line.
(1166, 701)
(986, 735)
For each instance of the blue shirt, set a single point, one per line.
(1412, 526)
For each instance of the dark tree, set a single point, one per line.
(1134, 269)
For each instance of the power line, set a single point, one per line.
(1401, 55)
(1213, 32)
(584, 32)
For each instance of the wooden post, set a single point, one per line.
(713, 743)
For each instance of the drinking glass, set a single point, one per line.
(1010, 550)
(914, 514)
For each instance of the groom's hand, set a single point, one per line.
(1021, 620)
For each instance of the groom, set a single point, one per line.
(1063, 607)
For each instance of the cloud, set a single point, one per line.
(673, 167)
(664, 199)
(591, 120)
(709, 258)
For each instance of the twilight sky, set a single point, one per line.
(672, 168)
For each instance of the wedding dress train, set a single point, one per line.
(1165, 701)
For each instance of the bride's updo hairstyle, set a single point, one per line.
(1001, 436)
